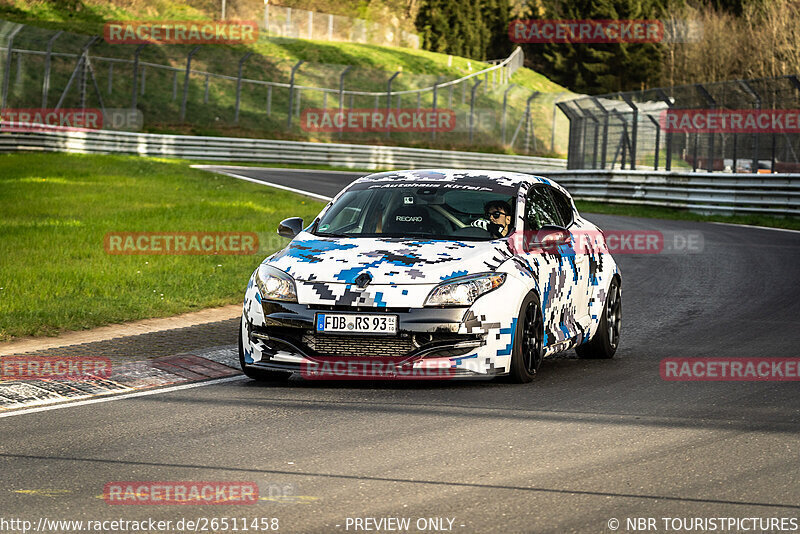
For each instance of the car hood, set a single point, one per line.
(309, 258)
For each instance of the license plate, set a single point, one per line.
(351, 323)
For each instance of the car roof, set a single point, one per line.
(472, 176)
(503, 178)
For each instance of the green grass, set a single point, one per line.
(55, 210)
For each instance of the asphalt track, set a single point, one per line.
(586, 442)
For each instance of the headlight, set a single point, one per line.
(275, 284)
(464, 290)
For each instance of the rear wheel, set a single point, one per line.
(262, 375)
(527, 354)
(606, 339)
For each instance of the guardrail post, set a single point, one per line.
(47, 61)
(7, 71)
(186, 81)
(291, 92)
(505, 108)
(239, 86)
(389, 98)
(472, 109)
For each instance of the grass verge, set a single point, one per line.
(55, 210)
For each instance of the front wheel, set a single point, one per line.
(605, 341)
(527, 354)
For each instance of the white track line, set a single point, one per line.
(278, 186)
(122, 396)
(754, 226)
(246, 168)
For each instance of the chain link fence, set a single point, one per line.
(690, 127)
(224, 91)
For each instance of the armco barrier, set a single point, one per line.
(769, 194)
(266, 151)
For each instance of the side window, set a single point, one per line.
(563, 206)
(540, 210)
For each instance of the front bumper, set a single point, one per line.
(287, 337)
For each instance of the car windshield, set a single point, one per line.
(435, 211)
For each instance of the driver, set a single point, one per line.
(497, 218)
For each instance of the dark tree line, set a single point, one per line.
(479, 29)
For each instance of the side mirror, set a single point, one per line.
(549, 238)
(290, 227)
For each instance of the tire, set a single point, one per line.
(605, 341)
(262, 375)
(527, 354)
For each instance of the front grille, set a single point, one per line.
(358, 346)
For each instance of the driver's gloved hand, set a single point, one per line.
(494, 229)
(481, 223)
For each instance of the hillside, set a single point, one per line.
(211, 99)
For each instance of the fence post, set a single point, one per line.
(553, 127)
(529, 122)
(47, 58)
(749, 88)
(472, 109)
(658, 141)
(330, 27)
(435, 97)
(310, 24)
(505, 106)
(239, 86)
(291, 90)
(186, 81)
(713, 105)
(389, 98)
(341, 96)
(668, 158)
(205, 90)
(634, 128)
(7, 71)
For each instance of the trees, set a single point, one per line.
(476, 29)
(599, 68)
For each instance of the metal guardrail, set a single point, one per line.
(266, 151)
(769, 194)
(720, 193)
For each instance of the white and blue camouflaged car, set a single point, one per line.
(473, 271)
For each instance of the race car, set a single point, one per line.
(443, 273)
